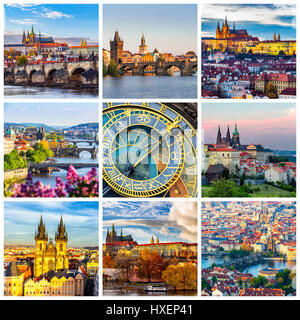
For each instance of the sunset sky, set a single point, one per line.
(169, 221)
(271, 124)
(170, 28)
(261, 20)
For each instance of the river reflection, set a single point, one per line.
(149, 294)
(21, 92)
(208, 260)
(137, 87)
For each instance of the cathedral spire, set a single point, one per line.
(228, 138)
(143, 40)
(61, 230)
(41, 231)
(219, 136)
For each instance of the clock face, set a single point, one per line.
(149, 150)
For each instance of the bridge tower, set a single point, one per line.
(116, 49)
(143, 47)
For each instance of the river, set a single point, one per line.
(84, 157)
(151, 87)
(149, 294)
(21, 92)
(208, 260)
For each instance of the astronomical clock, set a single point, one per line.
(149, 150)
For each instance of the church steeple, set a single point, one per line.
(219, 136)
(143, 42)
(152, 240)
(41, 232)
(61, 233)
(228, 137)
(218, 31)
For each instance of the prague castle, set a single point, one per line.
(114, 243)
(50, 257)
(227, 152)
(32, 39)
(239, 41)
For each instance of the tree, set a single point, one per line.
(14, 161)
(125, 261)
(22, 60)
(150, 264)
(182, 276)
(205, 284)
(226, 188)
(108, 261)
(214, 279)
(104, 68)
(271, 91)
(258, 282)
(112, 68)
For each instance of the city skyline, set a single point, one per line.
(64, 22)
(21, 220)
(172, 27)
(56, 114)
(261, 20)
(271, 124)
(169, 221)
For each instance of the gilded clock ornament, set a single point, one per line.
(149, 150)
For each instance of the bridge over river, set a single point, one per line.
(160, 68)
(59, 165)
(57, 74)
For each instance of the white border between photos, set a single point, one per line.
(100, 101)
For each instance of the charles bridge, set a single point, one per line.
(160, 68)
(58, 165)
(75, 151)
(82, 74)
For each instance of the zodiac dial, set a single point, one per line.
(149, 150)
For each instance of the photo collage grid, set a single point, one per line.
(143, 173)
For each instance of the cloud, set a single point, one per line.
(52, 14)
(181, 217)
(23, 21)
(276, 14)
(184, 216)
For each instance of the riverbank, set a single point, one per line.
(15, 175)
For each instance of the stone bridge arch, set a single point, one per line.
(168, 65)
(75, 74)
(50, 76)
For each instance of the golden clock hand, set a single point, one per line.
(145, 155)
(170, 126)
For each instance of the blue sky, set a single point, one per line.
(169, 221)
(271, 124)
(22, 218)
(168, 27)
(261, 20)
(64, 22)
(56, 114)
